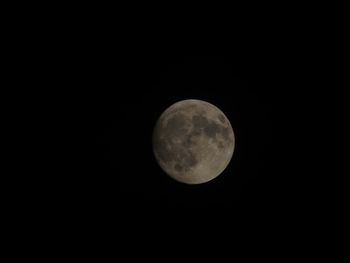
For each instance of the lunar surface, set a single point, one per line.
(193, 141)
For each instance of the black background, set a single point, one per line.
(109, 96)
(123, 111)
(102, 84)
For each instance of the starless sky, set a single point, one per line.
(128, 110)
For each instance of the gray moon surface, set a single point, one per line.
(193, 141)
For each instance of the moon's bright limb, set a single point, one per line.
(193, 141)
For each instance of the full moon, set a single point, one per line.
(193, 141)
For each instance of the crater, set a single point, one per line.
(189, 160)
(178, 167)
(195, 132)
(225, 133)
(211, 129)
(220, 145)
(199, 121)
(162, 149)
(188, 142)
(176, 125)
(168, 152)
(221, 118)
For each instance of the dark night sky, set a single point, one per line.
(114, 106)
(115, 180)
(112, 95)
(105, 83)
(124, 112)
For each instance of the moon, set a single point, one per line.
(193, 141)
